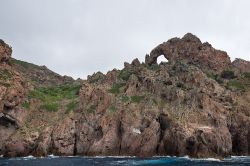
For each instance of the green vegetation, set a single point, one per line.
(50, 106)
(246, 75)
(112, 109)
(115, 89)
(71, 106)
(137, 99)
(125, 74)
(125, 98)
(237, 85)
(26, 105)
(51, 96)
(228, 74)
(56, 93)
(5, 74)
(133, 99)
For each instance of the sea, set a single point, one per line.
(52, 160)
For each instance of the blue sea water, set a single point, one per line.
(108, 161)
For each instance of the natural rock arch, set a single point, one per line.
(190, 49)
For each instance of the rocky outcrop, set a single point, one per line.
(5, 52)
(195, 104)
(192, 50)
(39, 76)
(11, 97)
(241, 65)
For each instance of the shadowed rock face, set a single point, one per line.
(193, 51)
(196, 104)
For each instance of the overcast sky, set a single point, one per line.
(80, 37)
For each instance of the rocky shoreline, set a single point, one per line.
(197, 104)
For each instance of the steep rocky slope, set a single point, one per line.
(11, 96)
(39, 76)
(196, 104)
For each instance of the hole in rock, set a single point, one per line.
(161, 59)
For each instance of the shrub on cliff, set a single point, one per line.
(247, 75)
(50, 106)
(5, 74)
(137, 99)
(115, 89)
(125, 74)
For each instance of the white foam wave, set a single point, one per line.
(236, 157)
(53, 156)
(114, 156)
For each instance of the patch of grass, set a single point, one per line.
(137, 99)
(112, 109)
(52, 96)
(234, 84)
(228, 74)
(26, 105)
(246, 75)
(5, 74)
(50, 106)
(56, 93)
(125, 98)
(115, 89)
(125, 74)
(71, 106)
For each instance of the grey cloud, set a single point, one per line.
(79, 37)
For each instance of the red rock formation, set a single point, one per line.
(5, 52)
(241, 65)
(192, 50)
(175, 108)
(11, 96)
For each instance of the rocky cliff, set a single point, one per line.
(195, 104)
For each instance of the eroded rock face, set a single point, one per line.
(63, 138)
(11, 96)
(192, 50)
(43, 143)
(241, 65)
(182, 107)
(5, 52)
